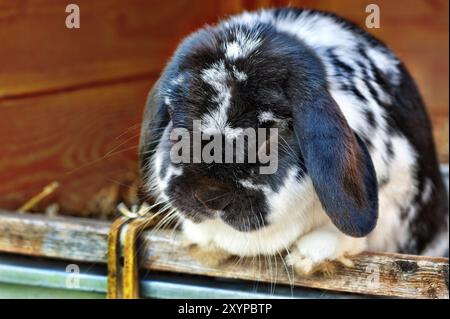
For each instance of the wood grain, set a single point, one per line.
(116, 39)
(84, 139)
(78, 239)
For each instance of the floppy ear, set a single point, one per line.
(155, 117)
(338, 164)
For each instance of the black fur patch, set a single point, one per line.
(370, 117)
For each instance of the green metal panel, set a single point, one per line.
(27, 277)
(13, 291)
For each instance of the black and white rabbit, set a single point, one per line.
(357, 166)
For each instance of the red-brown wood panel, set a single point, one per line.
(116, 39)
(84, 139)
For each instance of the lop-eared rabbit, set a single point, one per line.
(356, 162)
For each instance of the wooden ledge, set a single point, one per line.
(78, 239)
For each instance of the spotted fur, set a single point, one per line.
(357, 163)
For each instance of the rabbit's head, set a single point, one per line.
(263, 94)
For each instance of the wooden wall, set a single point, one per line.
(71, 99)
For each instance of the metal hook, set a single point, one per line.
(123, 276)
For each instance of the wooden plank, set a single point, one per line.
(79, 239)
(69, 238)
(84, 139)
(116, 39)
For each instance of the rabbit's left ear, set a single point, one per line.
(155, 118)
(338, 164)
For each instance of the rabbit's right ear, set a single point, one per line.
(155, 118)
(338, 163)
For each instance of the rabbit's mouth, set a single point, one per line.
(242, 211)
(234, 215)
(244, 223)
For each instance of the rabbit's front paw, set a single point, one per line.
(319, 251)
(209, 255)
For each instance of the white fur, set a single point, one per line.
(167, 100)
(326, 31)
(439, 244)
(391, 230)
(324, 243)
(242, 46)
(157, 184)
(385, 61)
(240, 76)
(216, 76)
(178, 80)
(267, 116)
(216, 122)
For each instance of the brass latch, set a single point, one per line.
(123, 272)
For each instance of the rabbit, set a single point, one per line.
(357, 166)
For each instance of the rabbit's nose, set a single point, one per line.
(213, 197)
